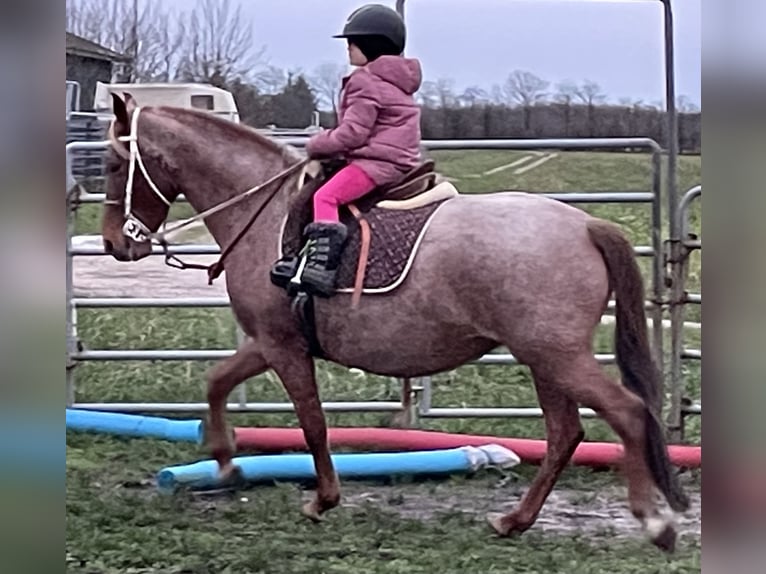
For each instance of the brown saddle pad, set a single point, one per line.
(394, 238)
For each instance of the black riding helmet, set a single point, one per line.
(376, 20)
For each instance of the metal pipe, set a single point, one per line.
(508, 359)
(692, 354)
(493, 413)
(695, 298)
(211, 249)
(154, 355)
(627, 196)
(242, 387)
(400, 8)
(679, 261)
(683, 208)
(216, 354)
(424, 404)
(330, 407)
(601, 196)
(672, 119)
(675, 417)
(71, 337)
(339, 407)
(87, 146)
(469, 144)
(520, 144)
(658, 282)
(185, 249)
(692, 244)
(143, 302)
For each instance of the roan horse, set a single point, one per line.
(505, 269)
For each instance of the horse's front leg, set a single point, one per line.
(221, 380)
(296, 370)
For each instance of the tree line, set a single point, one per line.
(211, 42)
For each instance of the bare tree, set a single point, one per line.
(218, 47)
(473, 95)
(566, 92)
(445, 92)
(160, 51)
(271, 80)
(526, 89)
(326, 81)
(497, 96)
(428, 94)
(146, 33)
(590, 94)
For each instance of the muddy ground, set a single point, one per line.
(602, 511)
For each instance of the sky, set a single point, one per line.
(618, 43)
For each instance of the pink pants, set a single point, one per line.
(348, 184)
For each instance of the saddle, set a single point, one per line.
(413, 183)
(384, 227)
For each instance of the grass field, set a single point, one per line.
(116, 523)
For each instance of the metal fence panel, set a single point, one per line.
(423, 391)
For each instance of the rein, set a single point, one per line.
(136, 230)
(214, 270)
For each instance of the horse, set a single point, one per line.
(499, 269)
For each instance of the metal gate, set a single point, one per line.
(669, 261)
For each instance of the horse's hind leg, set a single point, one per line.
(582, 379)
(564, 432)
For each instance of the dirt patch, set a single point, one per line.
(603, 511)
(100, 276)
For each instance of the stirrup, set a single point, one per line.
(283, 270)
(303, 258)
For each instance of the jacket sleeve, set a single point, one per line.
(356, 126)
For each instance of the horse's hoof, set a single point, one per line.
(310, 511)
(230, 474)
(662, 532)
(495, 520)
(666, 540)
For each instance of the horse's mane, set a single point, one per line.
(233, 130)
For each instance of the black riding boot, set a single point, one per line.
(325, 242)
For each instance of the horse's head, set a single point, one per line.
(140, 182)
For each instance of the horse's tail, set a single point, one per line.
(634, 358)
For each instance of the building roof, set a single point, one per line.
(79, 46)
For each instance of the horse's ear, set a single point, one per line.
(122, 120)
(130, 102)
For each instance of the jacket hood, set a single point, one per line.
(404, 73)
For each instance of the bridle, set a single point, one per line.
(135, 229)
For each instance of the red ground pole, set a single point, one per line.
(390, 440)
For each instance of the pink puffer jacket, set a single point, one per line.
(379, 120)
